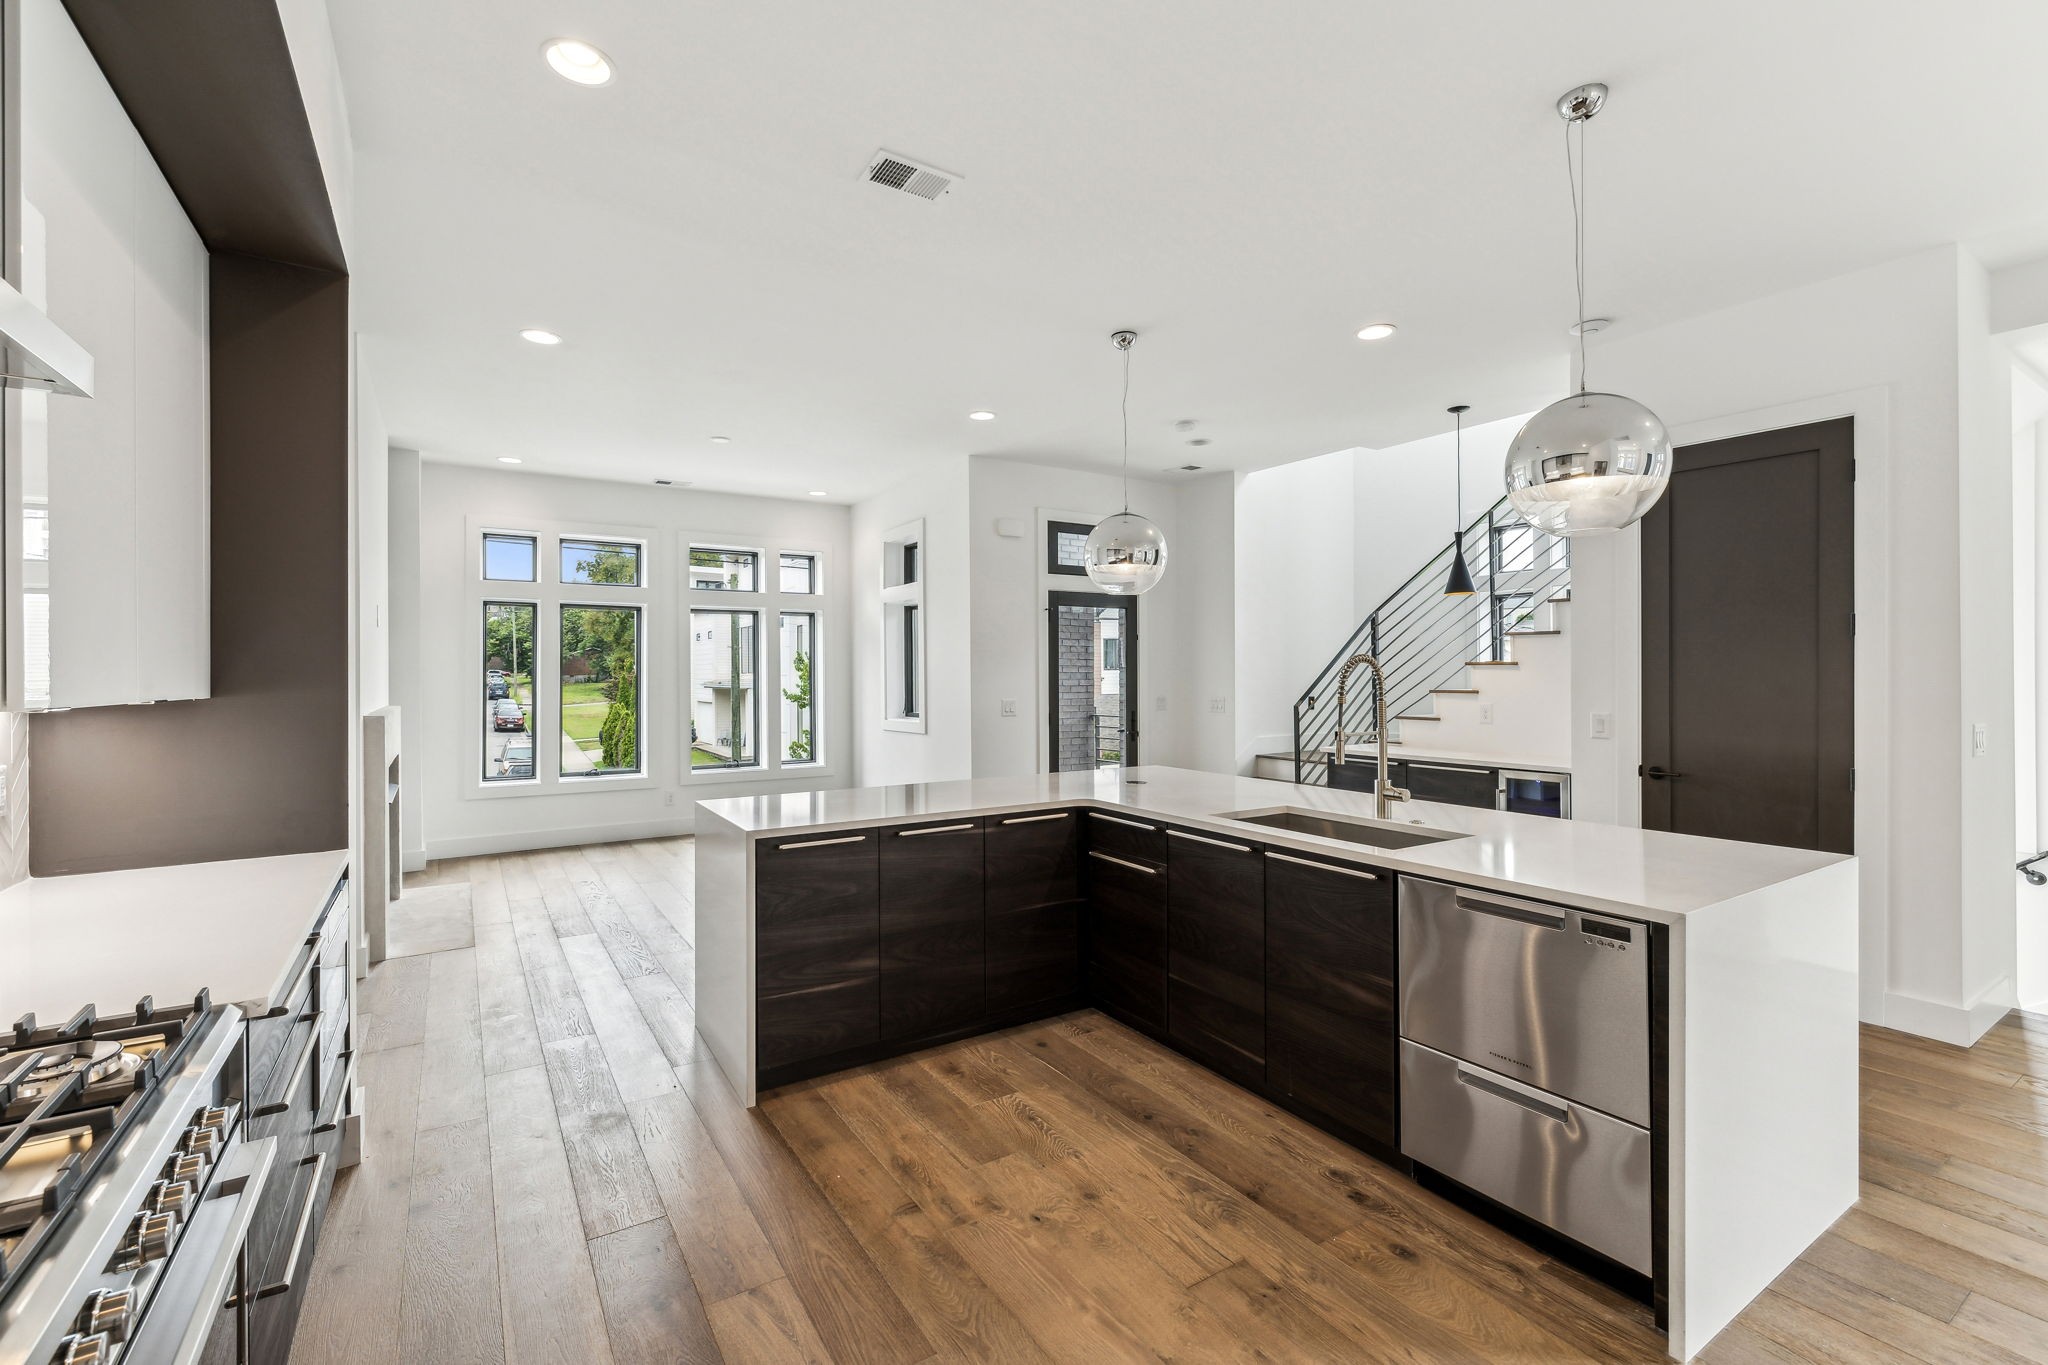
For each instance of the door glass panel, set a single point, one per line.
(1092, 684)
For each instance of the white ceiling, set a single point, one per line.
(1246, 185)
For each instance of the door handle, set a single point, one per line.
(1656, 774)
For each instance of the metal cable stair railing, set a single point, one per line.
(1424, 640)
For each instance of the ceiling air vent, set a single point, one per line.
(895, 172)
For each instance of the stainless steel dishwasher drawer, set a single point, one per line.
(1570, 1168)
(1556, 998)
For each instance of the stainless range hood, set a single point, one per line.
(35, 353)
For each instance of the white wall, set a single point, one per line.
(944, 749)
(2030, 498)
(1009, 604)
(1208, 599)
(1297, 533)
(1404, 497)
(408, 677)
(370, 546)
(1902, 347)
(460, 816)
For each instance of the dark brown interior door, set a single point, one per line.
(1748, 641)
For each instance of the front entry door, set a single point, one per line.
(1748, 643)
(1092, 656)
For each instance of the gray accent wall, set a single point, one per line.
(261, 767)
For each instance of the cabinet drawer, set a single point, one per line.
(816, 904)
(1576, 1170)
(931, 927)
(1556, 998)
(1032, 908)
(1032, 860)
(1330, 997)
(1127, 938)
(1216, 953)
(817, 1021)
(272, 1035)
(1453, 786)
(1127, 836)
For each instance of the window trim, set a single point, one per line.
(1053, 531)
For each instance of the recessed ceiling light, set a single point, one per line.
(1378, 331)
(983, 415)
(817, 492)
(540, 336)
(721, 440)
(575, 60)
(510, 459)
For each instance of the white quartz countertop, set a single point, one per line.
(1608, 868)
(109, 938)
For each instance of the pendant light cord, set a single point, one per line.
(1576, 179)
(1458, 456)
(1126, 410)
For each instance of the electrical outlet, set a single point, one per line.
(1486, 713)
(1980, 740)
(668, 798)
(1603, 725)
(1009, 706)
(1218, 705)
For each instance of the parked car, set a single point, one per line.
(497, 687)
(518, 760)
(507, 714)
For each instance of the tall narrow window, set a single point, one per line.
(508, 691)
(611, 562)
(601, 710)
(510, 558)
(910, 562)
(725, 708)
(724, 570)
(909, 706)
(799, 701)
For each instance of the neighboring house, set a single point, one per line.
(712, 683)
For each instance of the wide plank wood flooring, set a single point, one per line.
(558, 1173)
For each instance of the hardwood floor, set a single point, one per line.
(558, 1173)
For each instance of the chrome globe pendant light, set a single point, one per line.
(1592, 463)
(1460, 582)
(1126, 553)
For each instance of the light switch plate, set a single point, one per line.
(1159, 703)
(1009, 706)
(1603, 725)
(1217, 705)
(1980, 740)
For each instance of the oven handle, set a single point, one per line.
(248, 1187)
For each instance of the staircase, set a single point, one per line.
(1446, 659)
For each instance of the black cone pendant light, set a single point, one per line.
(1460, 582)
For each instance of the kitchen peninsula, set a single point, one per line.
(1646, 1042)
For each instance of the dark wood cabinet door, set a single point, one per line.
(931, 928)
(1454, 786)
(1127, 938)
(1216, 953)
(1031, 902)
(817, 946)
(1331, 1041)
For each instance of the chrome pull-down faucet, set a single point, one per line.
(1387, 793)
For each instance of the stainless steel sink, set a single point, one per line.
(1372, 833)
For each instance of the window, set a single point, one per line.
(508, 690)
(724, 570)
(799, 657)
(910, 562)
(1066, 545)
(512, 559)
(908, 707)
(800, 574)
(601, 711)
(611, 562)
(725, 711)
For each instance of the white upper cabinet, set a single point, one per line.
(110, 492)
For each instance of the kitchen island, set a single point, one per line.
(1254, 926)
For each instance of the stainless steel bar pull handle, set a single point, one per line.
(935, 829)
(1359, 873)
(1119, 820)
(1556, 1113)
(1034, 819)
(1479, 903)
(1124, 862)
(1205, 839)
(278, 1106)
(284, 1005)
(825, 843)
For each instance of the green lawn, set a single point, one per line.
(583, 708)
(704, 758)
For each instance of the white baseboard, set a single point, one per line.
(527, 840)
(413, 860)
(1961, 1025)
